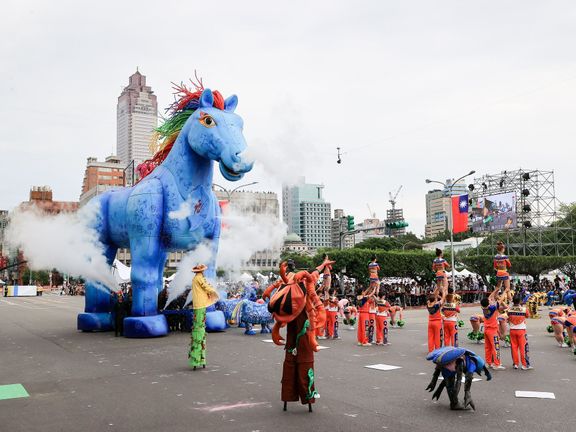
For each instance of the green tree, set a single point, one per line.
(392, 263)
(301, 261)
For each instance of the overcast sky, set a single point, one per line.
(408, 90)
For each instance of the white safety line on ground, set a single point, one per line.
(383, 367)
(534, 394)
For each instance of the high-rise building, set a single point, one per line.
(395, 215)
(255, 203)
(3, 224)
(369, 228)
(340, 225)
(137, 117)
(438, 208)
(307, 214)
(100, 177)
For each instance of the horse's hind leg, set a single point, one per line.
(97, 314)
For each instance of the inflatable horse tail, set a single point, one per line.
(237, 312)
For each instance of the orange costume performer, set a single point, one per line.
(434, 306)
(295, 304)
(450, 311)
(332, 316)
(501, 265)
(364, 317)
(557, 316)
(382, 316)
(490, 309)
(518, 338)
(373, 269)
(439, 266)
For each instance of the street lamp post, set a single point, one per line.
(451, 219)
(230, 192)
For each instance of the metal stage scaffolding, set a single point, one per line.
(537, 231)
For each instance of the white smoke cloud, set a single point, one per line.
(64, 242)
(242, 236)
(183, 278)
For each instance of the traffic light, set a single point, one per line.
(350, 223)
(396, 224)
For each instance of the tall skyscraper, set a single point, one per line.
(137, 117)
(307, 214)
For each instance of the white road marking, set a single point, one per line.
(383, 367)
(534, 394)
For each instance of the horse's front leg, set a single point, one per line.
(148, 259)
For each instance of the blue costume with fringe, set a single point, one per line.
(466, 364)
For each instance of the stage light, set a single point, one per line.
(470, 187)
(485, 186)
(525, 192)
(470, 201)
(527, 224)
(501, 183)
(526, 176)
(526, 208)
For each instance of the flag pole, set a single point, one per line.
(452, 226)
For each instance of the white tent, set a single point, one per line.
(466, 273)
(2, 282)
(121, 272)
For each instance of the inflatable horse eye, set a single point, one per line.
(206, 120)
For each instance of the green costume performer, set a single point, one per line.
(203, 295)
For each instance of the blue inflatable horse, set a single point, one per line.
(227, 305)
(249, 313)
(171, 209)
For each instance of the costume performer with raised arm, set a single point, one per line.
(490, 309)
(434, 305)
(453, 363)
(203, 295)
(295, 304)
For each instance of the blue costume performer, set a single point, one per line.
(453, 363)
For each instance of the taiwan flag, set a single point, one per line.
(460, 213)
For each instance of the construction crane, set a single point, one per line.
(392, 199)
(370, 212)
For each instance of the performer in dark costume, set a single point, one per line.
(295, 304)
(453, 363)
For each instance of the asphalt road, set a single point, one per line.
(96, 382)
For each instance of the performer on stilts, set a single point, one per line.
(203, 295)
(295, 304)
(324, 296)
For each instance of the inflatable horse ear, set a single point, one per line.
(231, 103)
(206, 99)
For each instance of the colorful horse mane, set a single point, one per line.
(186, 101)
